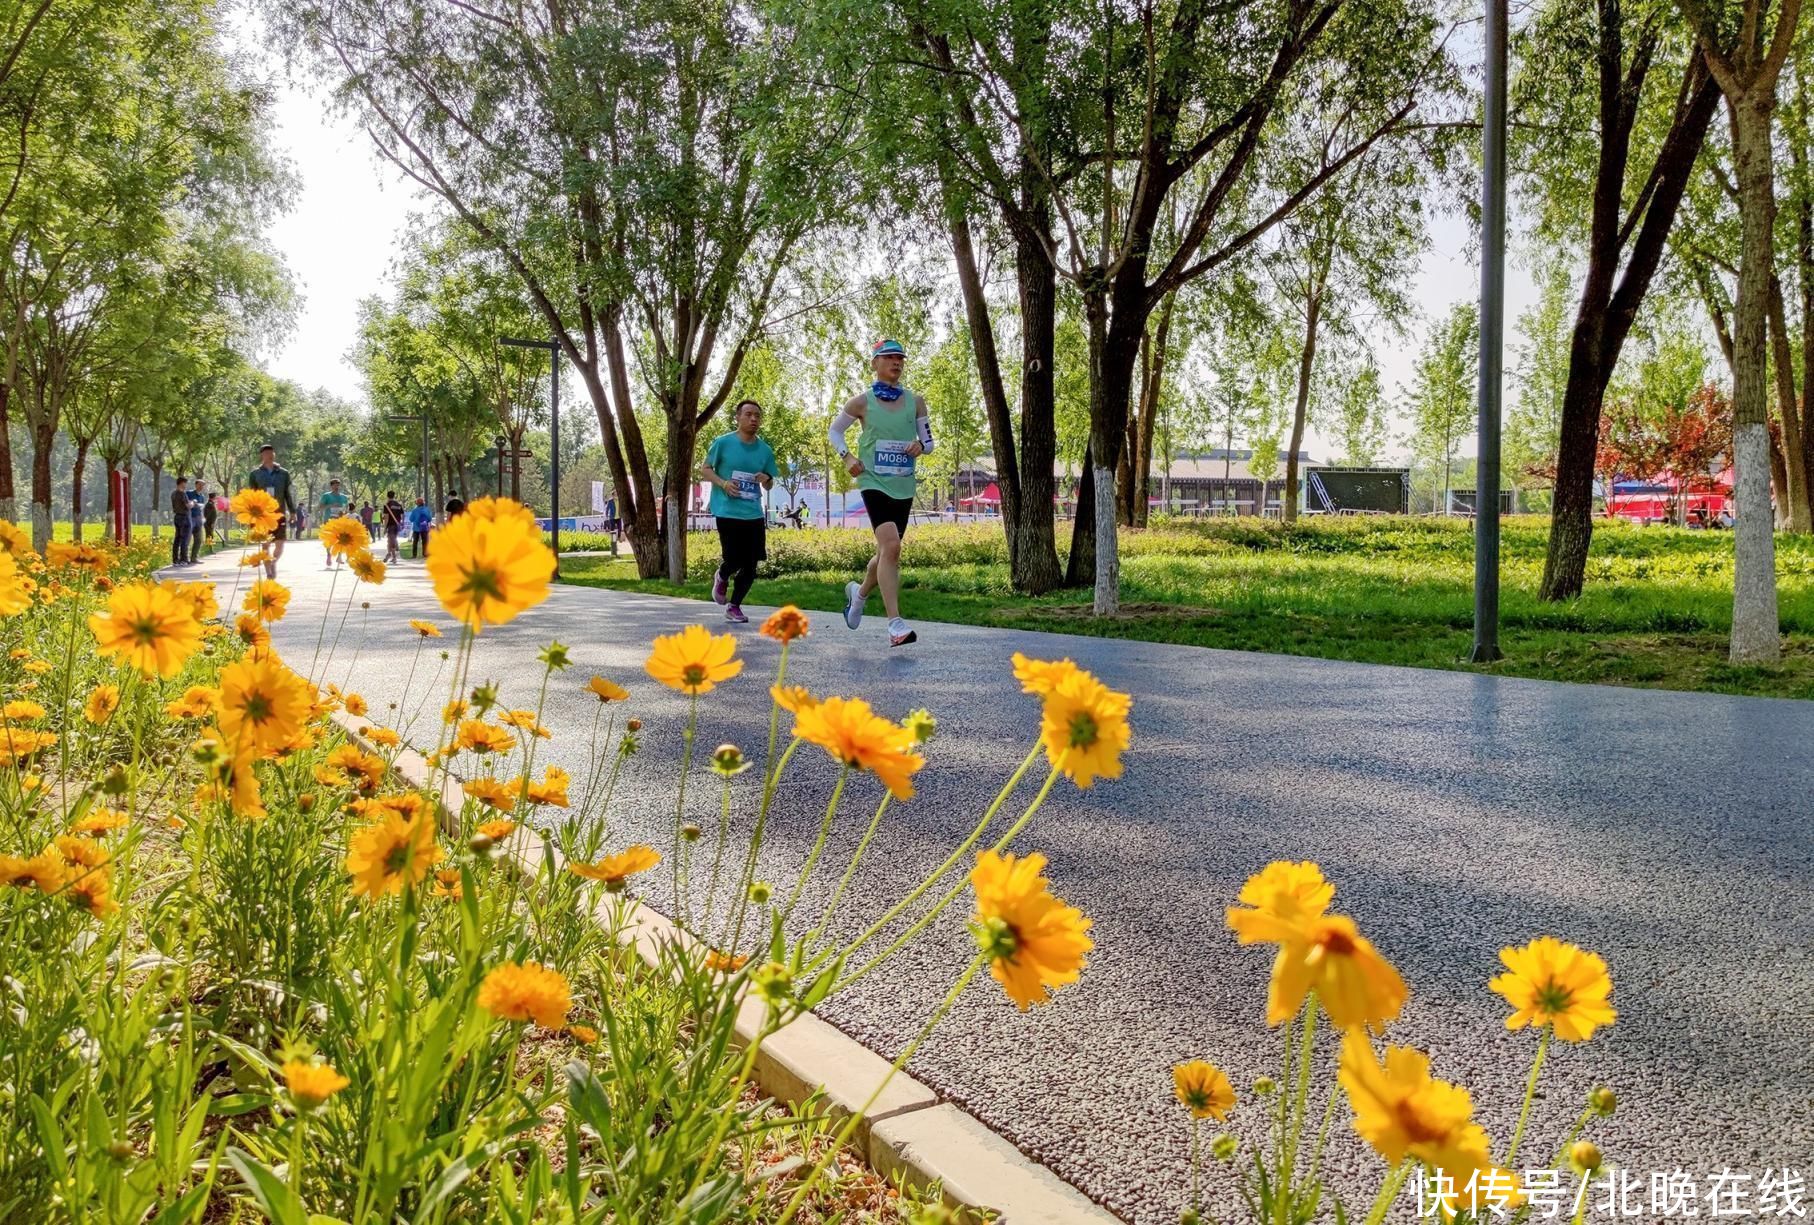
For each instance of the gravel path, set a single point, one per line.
(1456, 814)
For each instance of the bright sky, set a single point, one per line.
(344, 224)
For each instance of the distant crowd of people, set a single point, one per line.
(195, 511)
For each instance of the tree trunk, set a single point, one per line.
(1609, 302)
(1795, 428)
(1035, 549)
(683, 442)
(157, 494)
(1114, 348)
(1140, 437)
(76, 475)
(1080, 566)
(1756, 636)
(629, 460)
(516, 463)
(9, 508)
(43, 435)
(1288, 508)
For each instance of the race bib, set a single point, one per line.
(892, 458)
(747, 487)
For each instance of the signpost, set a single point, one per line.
(1492, 340)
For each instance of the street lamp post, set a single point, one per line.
(1492, 340)
(554, 431)
(501, 442)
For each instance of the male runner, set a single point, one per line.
(333, 504)
(896, 431)
(276, 482)
(393, 525)
(739, 466)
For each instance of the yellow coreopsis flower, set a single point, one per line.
(1279, 900)
(496, 830)
(353, 760)
(391, 854)
(786, 624)
(383, 736)
(1084, 728)
(1355, 985)
(1038, 676)
(1034, 942)
(855, 735)
(63, 554)
(613, 870)
(262, 704)
(252, 631)
(255, 509)
(1204, 1089)
(693, 661)
(478, 736)
(1401, 1111)
(344, 536)
(552, 790)
(492, 792)
(21, 710)
(201, 596)
(792, 698)
(148, 628)
(1549, 982)
(427, 629)
(354, 705)
(267, 599)
(489, 564)
(98, 822)
(606, 691)
(525, 721)
(14, 539)
(311, 1084)
(527, 992)
(365, 567)
(15, 594)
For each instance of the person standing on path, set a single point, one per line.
(393, 524)
(198, 511)
(896, 431)
(275, 481)
(367, 513)
(179, 520)
(332, 504)
(210, 510)
(739, 466)
(420, 517)
(455, 504)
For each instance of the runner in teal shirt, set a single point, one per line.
(333, 504)
(739, 466)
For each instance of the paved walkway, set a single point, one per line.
(1672, 833)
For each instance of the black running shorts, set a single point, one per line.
(884, 509)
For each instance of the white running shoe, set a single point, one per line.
(899, 634)
(853, 604)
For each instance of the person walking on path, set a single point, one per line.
(455, 504)
(896, 431)
(332, 504)
(420, 518)
(392, 513)
(367, 512)
(210, 510)
(179, 520)
(739, 466)
(198, 509)
(275, 480)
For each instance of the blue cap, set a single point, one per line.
(887, 348)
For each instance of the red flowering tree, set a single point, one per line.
(1682, 440)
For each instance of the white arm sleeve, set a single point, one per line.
(925, 424)
(839, 425)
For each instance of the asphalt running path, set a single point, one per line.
(1672, 833)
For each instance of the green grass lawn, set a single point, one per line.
(1655, 613)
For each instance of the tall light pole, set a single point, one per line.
(554, 431)
(1492, 341)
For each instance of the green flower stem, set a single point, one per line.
(838, 894)
(1530, 1092)
(731, 1098)
(334, 646)
(939, 908)
(724, 834)
(812, 858)
(1306, 1045)
(1574, 1133)
(322, 633)
(920, 890)
(680, 801)
(755, 848)
(1388, 1192)
(1280, 1115)
(1196, 1164)
(850, 1124)
(1316, 1154)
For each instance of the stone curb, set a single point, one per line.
(908, 1131)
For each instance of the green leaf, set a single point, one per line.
(279, 1202)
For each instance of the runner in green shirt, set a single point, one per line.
(739, 466)
(332, 505)
(896, 432)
